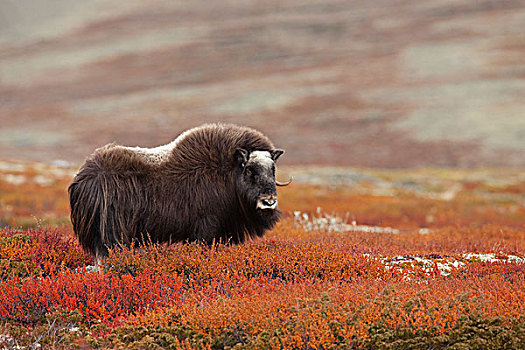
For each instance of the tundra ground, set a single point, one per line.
(429, 258)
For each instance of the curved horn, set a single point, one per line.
(284, 183)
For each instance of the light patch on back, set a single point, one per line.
(261, 157)
(154, 155)
(160, 154)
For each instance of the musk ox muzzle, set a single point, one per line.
(268, 202)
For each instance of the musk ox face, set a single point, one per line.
(255, 178)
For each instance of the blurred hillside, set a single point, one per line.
(385, 83)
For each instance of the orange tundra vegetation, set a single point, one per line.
(449, 273)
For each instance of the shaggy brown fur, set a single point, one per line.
(122, 195)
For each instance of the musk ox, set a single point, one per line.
(215, 182)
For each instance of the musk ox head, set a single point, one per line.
(255, 179)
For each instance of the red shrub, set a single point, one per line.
(98, 296)
(38, 252)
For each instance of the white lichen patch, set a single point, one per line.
(43, 180)
(491, 257)
(332, 223)
(12, 166)
(431, 264)
(434, 264)
(14, 179)
(19, 172)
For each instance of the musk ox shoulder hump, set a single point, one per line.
(213, 146)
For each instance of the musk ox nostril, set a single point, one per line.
(269, 202)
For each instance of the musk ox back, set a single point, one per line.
(213, 183)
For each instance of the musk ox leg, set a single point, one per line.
(100, 262)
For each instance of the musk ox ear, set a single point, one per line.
(276, 153)
(240, 156)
